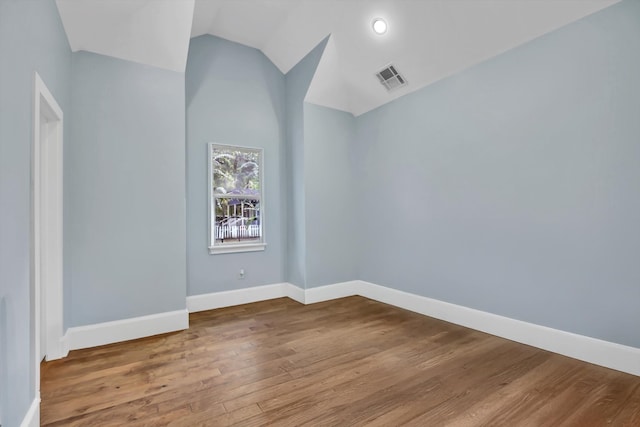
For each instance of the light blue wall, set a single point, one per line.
(297, 84)
(235, 96)
(31, 39)
(124, 191)
(514, 187)
(331, 212)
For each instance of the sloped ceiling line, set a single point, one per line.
(428, 40)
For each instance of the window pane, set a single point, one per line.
(236, 171)
(237, 220)
(236, 194)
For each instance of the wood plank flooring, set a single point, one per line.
(345, 362)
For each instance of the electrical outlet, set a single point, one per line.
(241, 274)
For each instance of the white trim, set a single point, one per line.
(47, 234)
(604, 353)
(48, 170)
(611, 355)
(295, 293)
(226, 248)
(329, 292)
(32, 417)
(236, 297)
(64, 345)
(231, 248)
(127, 329)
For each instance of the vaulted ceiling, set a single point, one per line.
(426, 40)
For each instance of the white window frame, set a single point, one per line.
(233, 247)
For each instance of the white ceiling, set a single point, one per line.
(153, 32)
(427, 40)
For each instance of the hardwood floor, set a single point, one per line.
(351, 361)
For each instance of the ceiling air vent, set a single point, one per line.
(390, 78)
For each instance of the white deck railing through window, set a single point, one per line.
(236, 232)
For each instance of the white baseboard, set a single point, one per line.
(329, 292)
(59, 351)
(262, 293)
(32, 418)
(64, 345)
(237, 297)
(126, 329)
(611, 355)
(295, 293)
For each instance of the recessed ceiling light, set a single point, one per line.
(379, 26)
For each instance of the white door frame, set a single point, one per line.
(46, 220)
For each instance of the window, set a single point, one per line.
(236, 199)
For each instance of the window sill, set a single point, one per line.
(230, 249)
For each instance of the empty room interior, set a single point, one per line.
(305, 212)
